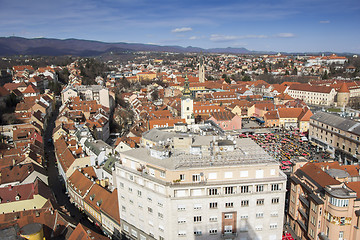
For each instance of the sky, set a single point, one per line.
(259, 25)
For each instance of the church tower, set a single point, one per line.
(201, 70)
(187, 104)
(343, 95)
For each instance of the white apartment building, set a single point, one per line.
(315, 95)
(200, 187)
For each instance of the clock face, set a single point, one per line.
(187, 100)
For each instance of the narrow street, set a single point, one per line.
(55, 183)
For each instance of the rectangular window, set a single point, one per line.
(197, 218)
(244, 189)
(196, 177)
(213, 191)
(228, 215)
(259, 188)
(181, 220)
(229, 190)
(181, 233)
(228, 228)
(197, 232)
(273, 225)
(260, 215)
(182, 177)
(197, 206)
(150, 210)
(213, 205)
(275, 187)
(245, 203)
(139, 193)
(181, 208)
(260, 202)
(213, 231)
(213, 219)
(162, 174)
(275, 200)
(229, 204)
(160, 215)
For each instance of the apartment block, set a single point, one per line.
(324, 202)
(200, 187)
(337, 135)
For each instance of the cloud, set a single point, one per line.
(227, 38)
(183, 29)
(284, 35)
(194, 37)
(324, 22)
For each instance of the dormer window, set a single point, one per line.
(98, 203)
(17, 197)
(92, 197)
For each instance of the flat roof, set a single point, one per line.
(246, 152)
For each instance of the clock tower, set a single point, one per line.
(187, 104)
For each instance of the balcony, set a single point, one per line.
(302, 225)
(229, 235)
(303, 213)
(304, 201)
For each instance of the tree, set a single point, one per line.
(325, 75)
(287, 72)
(246, 78)
(295, 71)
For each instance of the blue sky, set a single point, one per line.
(282, 25)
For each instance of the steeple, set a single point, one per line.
(186, 92)
(201, 70)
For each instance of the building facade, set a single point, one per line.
(235, 190)
(337, 135)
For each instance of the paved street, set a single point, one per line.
(54, 181)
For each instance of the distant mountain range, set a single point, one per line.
(56, 47)
(76, 47)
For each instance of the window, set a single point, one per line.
(341, 235)
(244, 189)
(130, 189)
(245, 203)
(275, 200)
(160, 215)
(228, 215)
(139, 193)
(260, 202)
(339, 202)
(123, 208)
(213, 191)
(213, 219)
(342, 221)
(161, 228)
(196, 177)
(197, 218)
(213, 231)
(162, 174)
(228, 229)
(259, 188)
(197, 206)
(182, 177)
(229, 204)
(181, 233)
(273, 226)
(229, 190)
(260, 215)
(312, 220)
(181, 208)
(181, 220)
(213, 205)
(313, 208)
(133, 233)
(152, 172)
(150, 210)
(275, 187)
